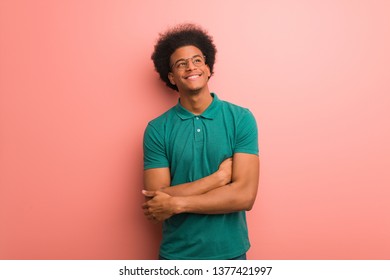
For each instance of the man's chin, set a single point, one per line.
(192, 91)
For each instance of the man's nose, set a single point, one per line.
(190, 65)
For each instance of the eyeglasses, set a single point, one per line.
(197, 60)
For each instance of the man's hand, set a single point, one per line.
(225, 170)
(160, 206)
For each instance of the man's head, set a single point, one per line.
(175, 38)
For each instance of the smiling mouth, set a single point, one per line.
(193, 77)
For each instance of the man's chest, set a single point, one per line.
(199, 141)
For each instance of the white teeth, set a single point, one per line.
(193, 77)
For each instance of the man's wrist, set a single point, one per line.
(177, 205)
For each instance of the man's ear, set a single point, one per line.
(171, 78)
(208, 72)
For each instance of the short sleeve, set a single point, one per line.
(247, 135)
(154, 149)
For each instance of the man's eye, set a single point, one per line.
(181, 64)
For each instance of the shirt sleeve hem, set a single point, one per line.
(247, 152)
(150, 166)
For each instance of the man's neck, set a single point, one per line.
(196, 103)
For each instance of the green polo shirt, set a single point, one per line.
(193, 147)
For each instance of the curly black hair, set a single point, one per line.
(179, 36)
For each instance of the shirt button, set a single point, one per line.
(197, 118)
(198, 130)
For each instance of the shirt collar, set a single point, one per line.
(209, 113)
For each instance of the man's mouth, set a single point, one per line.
(193, 77)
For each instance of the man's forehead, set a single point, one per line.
(186, 52)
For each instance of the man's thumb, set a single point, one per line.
(148, 193)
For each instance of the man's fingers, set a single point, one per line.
(145, 205)
(149, 217)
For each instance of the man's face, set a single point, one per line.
(188, 69)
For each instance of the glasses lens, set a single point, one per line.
(181, 64)
(198, 60)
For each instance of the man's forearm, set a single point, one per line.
(226, 199)
(198, 187)
(236, 196)
(159, 180)
(161, 204)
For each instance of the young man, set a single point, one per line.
(201, 165)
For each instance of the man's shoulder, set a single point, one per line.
(229, 104)
(161, 121)
(235, 109)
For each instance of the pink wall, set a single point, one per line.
(77, 88)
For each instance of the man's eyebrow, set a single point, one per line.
(195, 55)
(188, 57)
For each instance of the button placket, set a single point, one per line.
(198, 128)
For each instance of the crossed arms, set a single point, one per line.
(233, 187)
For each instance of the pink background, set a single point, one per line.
(77, 88)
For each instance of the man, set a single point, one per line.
(201, 165)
